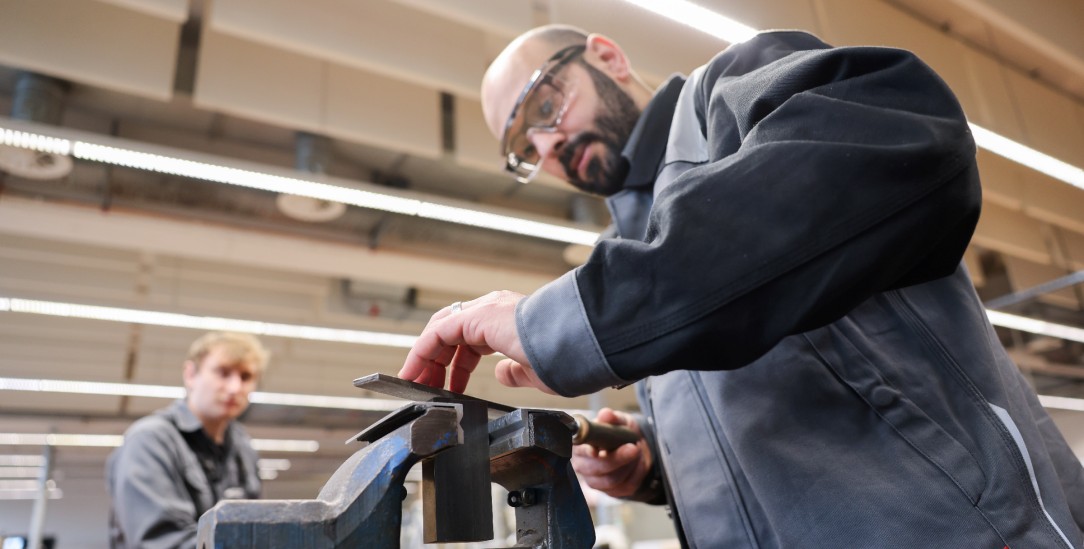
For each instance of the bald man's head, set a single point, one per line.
(510, 71)
(579, 113)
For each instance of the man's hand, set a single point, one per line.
(456, 341)
(618, 473)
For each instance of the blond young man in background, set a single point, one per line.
(178, 462)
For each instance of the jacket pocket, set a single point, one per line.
(901, 415)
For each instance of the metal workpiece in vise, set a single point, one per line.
(464, 444)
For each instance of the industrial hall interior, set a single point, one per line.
(316, 180)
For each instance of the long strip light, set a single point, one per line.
(1027, 156)
(172, 392)
(55, 493)
(19, 472)
(699, 18)
(158, 318)
(1062, 403)
(176, 320)
(1035, 326)
(113, 441)
(22, 484)
(732, 31)
(217, 170)
(22, 460)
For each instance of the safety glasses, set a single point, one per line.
(539, 108)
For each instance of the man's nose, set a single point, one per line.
(547, 142)
(234, 383)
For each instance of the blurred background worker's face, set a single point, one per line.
(219, 386)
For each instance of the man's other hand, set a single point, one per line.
(620, 472)
(456, 338)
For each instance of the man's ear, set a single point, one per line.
(608, 57)
(189, 374)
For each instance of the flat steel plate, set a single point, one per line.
(416, 392)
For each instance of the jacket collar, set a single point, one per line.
(182, 417)
(647, 142)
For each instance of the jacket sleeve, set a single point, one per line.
(151, 504)
(831, 175)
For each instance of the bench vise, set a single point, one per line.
(464, 444)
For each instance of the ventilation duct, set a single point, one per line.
(37, 98)
(312, 156)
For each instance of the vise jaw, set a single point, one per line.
(464, 444)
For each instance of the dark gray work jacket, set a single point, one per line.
(159, 488)
(816, 366)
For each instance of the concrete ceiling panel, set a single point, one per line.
(1053, 201)
(375, 35)
(769, 14)
(1052, 26)
(90, 42)
(474, 145)
(657, 47)
(1025, 274)
(1051, 120)
(214, 243)
(1002, 180)
(254, 80)
(508, 18)
(991, 104)
(172, 10)
(368, 107)
(1011, 233)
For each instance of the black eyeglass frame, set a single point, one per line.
(521, 168)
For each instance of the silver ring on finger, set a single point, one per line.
(457, 306)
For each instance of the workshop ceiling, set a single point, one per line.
(384, 94)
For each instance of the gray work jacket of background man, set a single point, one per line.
(817, 368)
(158, 485)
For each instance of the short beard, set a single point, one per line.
(613, 125)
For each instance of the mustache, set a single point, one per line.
(568, 153)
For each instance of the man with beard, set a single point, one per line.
(812, 363)
(178, 462)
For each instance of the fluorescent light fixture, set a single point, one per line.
(319, 401)
(699, 18)
(55, 493)
(732, 31)
(284, 445)
(1028, 156)
(176, 320)
(113, 441)
(90, 388)
(171, 392)
(22, 460)
(19, 472)
(1035, 326)
(276, 464)
(268, 474)
(243, 178)
(119, 152)
(1062, 403)
(25, 484)
(208, 323)
(53, 439)
(34, 142)
(507, 224)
